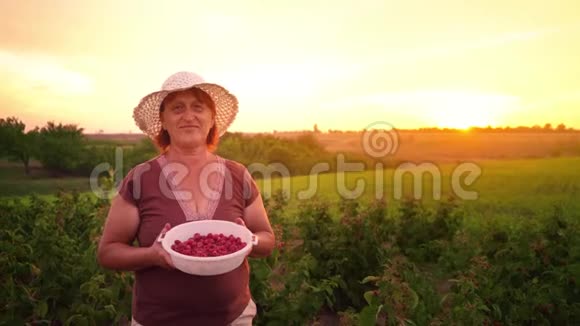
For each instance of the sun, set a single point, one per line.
(457, 117)
(465, 110)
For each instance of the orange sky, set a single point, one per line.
(340, 64)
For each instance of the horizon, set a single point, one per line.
(542, 128)
(343, 66)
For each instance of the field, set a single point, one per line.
(13, 182)
(442, 148)
(435, 146)
(455, 146)
(504, 186)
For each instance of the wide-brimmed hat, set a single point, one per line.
(146, 114)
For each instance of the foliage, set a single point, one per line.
(60, 147)
(48, 265)
(15, 143)
(364, 265)
(297, 155)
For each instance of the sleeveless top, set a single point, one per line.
(164, 297)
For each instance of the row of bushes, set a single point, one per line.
(364, 266)
(267, 153)
(427, 266)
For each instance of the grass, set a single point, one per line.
(512, 187)
(13, 182)
(521, 188)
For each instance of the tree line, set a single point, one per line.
(57, 147)
(546, 128)
(64, 150)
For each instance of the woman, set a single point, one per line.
(186, 182)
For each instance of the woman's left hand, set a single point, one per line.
(240, 221)
(256, 220)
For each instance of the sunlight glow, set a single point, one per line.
(296, 64)
(42, 73)
(462, 110)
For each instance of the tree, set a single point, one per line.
(561, 127)
(15, 144)
(309, 141)
(60, 147)
(548, 127)
(281, 154)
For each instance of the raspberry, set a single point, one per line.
(210, 245)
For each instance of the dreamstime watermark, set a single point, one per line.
(379, 141)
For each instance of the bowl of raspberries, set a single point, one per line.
(208, 247)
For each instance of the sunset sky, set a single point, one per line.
(340, 64)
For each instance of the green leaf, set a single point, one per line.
(329, 290)
(368, 316)
(496, 311)
(410, 322)
(370, 279)
(484, 308)
(77, 320)
(106, 294)
(41, 309)
(110, 309)
(369, 297)
(415, 299)
(85, 288)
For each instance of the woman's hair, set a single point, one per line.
(162, 140)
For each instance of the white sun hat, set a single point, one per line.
(146, 114)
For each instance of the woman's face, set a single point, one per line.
(186, 119)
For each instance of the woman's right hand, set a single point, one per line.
(159, 256)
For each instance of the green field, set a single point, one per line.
(504, 186)
(514, 187)
(13, 182)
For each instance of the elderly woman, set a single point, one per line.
(185, 182)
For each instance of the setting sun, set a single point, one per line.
(462, 110)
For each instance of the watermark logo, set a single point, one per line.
(101, 186)
(380, 141)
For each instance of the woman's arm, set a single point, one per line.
(115, 250)
(256, 219)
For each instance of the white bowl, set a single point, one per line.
(207, 265)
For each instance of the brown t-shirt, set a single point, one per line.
(163, 297)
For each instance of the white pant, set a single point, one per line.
(245, 319)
